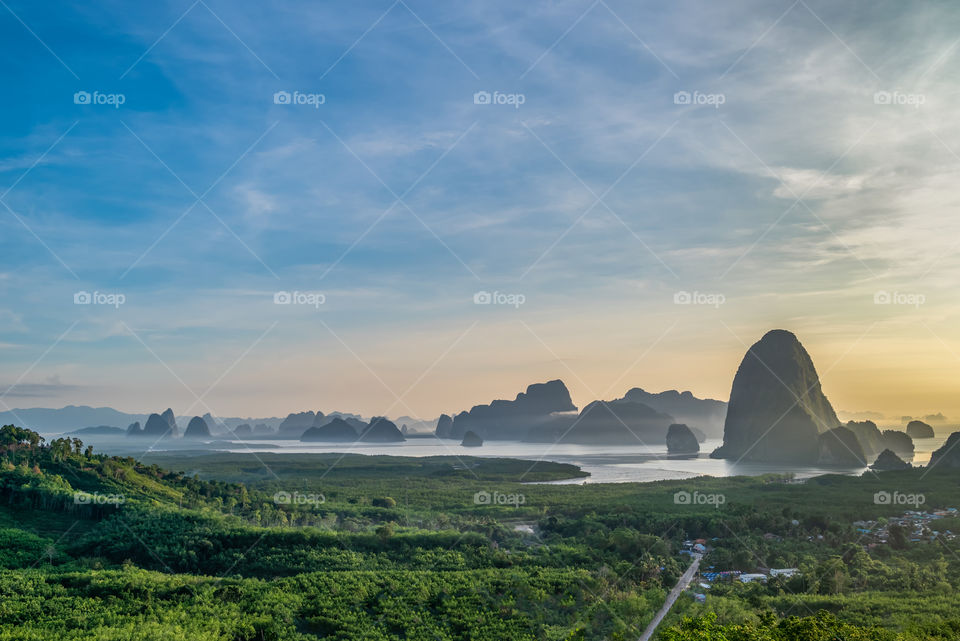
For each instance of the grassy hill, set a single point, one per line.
(234, 547)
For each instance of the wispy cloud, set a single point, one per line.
(826, 173)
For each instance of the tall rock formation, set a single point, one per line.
(171, 420)
(444, 426)
(510, 420)
(157, 426)
(134, 429)
(777, 410)
(197, 428)
(681, 440)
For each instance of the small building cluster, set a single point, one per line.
(694, 546)
(920, 524)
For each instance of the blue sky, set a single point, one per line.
(797, 200)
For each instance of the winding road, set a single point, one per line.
(672, 597)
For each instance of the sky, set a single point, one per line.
(412, 207)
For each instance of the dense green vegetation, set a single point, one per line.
(245, 547)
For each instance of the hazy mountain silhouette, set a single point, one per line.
(948, 456)
(706, 414)
(197, 428)
(919, 429)
(416, 425)
(98, 430)
(680, 440)
(444, 426)
(67, 418)
(840, 446)
(381, 430)
(335, 431)
(870, 437)
(888, 461)
(615, 422)
(297, 423)
(900, 442)
(510, 420)
(157, 426)
(171, 421)
(470, 439)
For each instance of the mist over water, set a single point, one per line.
(606, 464)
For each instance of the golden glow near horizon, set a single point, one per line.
(876, 368)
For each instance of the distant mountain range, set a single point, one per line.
(75, 417)
(69, 418)
(105, 421)
(544, 413)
